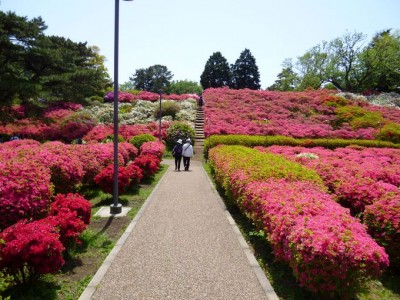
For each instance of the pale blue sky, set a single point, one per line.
(183, 34)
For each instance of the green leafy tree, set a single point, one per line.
(184, 87)
(245, 72)
(287, 78)
(154, 79)
(216, 72)
(382, 56)
(17, 38)
(33, 65)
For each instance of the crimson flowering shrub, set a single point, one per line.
(383, 221)
(327, 249)
(148, 163)
(30, 249)
(155, 148)
(73, 202)
(135, 173)
(144, 95)
(68, 224)
(25, 189)
(309, 114)
(105, 179)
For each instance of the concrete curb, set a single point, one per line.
(91, 287)
(264, 282)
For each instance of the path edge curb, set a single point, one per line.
(262, 278)
(92, 286)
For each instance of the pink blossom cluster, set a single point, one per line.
(364, 179)
(155, 148)
(357, 176)
(309, 114)
(327, 249)
(30, 173)
(122, 97)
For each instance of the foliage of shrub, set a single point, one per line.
(68, 225)
(138, 140)
(168, 108)
(382, 219)
(390, 132)
(110, 138)
(148, 163)
(177, 131)
(73, 202)
(252, 141)
(328, 250)
(155, 148)
(30, 250)
(105, 179)
(25, 189)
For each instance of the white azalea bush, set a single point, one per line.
(140, 112)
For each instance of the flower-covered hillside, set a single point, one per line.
(309, 114)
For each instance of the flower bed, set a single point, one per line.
(310, 114)
(327, 249)
(364, 179)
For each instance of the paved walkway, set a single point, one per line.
(183, 244)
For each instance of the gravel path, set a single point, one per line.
(182, 245)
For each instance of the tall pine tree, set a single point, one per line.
(245, 72)
(216, 72)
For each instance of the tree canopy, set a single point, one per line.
(184, 87)
(33, 65)
(156, 79)
(216, 72)
(245, 72)
(348, 63)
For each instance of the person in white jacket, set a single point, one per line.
(187, 153)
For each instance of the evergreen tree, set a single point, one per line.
(216, 72)
(245, 72)
(154, 79)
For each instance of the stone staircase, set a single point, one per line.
(199, 140)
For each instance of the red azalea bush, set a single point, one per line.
(383, 221)
(327, 249)
(30, 249)
(105, 179)
(69, 225)
(73, 202)
(128, 151)
(135, 173)
(25, 190)
(148, 163)
(155, 148)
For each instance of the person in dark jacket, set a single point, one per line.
(177, 153)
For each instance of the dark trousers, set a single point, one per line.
(186, 162)
(178, 162)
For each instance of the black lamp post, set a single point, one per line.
(159, 124)
(116, 208)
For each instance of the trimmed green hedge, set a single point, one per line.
(252, 141)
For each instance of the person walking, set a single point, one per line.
(187, 153)
(177, 154)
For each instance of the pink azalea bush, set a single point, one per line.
(383, 221)
(155, 148)
(327, 249)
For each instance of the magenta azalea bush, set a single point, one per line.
(327, 249)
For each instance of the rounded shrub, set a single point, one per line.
(179, 130)
(390, 132)
(168, 108)
(110, 138)
(138, 140)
